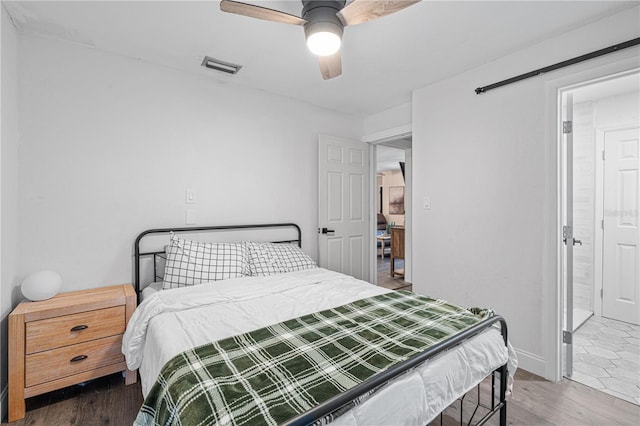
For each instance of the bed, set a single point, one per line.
(214, 317)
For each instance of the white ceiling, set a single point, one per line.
(383, 60)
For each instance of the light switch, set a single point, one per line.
(426, 203)
(190, 217)
(189, 196)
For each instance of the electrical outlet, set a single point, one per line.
(426, 203)
(190, 217)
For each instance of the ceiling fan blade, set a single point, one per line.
(330, 66)
(259, 12)
(360, 11)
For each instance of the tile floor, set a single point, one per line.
(606, 357)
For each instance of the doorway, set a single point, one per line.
(392, 195)
(601, 259)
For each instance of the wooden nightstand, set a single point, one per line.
(68, 339)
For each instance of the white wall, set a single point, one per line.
(376, 126)
(8, 188)
(489, 166)
(584, 209)
(109, 145)
(616, 111)
(389, 179)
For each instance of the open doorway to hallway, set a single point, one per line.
(602, 187)
(391, 196)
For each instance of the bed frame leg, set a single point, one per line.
(503, 393)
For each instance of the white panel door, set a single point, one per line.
(621, 257)
(343, 220)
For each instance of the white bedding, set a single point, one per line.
(169, 322)
(150, 289)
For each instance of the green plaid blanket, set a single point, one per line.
(270, 375)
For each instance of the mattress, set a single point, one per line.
(169, 322)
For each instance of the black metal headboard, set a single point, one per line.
(138, 254)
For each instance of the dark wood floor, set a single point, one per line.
(104, 401)
(384, 274)
(535, 401)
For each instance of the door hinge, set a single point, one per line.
(567, 337)
(601, 293)
(602, 224)
(567, 234)
(602, 155)
(567, 127)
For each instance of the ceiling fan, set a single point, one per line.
(323, 22)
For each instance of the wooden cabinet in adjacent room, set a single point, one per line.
(397, 249)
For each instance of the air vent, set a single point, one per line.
(218, 65)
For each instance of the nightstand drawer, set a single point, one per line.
(72, 329)
(45, 366)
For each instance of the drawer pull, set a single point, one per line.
(79, 358)
(79, 327)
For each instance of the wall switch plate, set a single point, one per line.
(189, 196)
(426, 203)
(190, 217)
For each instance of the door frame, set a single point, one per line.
(374, 140)
(598, 234)
(565, 97)
(552, 296)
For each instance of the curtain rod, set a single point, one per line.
(562, 64)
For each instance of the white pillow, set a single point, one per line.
(274, 258)
(193, 262)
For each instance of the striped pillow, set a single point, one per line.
(272, 258)
(192, 262)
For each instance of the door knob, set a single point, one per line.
(327, 231)
(576, 242)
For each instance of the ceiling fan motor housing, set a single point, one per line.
(321, 16)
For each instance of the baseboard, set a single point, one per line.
(530, 362)
(4, 403)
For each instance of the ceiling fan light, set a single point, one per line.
(323, 29)
(323, 43)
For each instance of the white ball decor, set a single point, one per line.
(41, 285)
